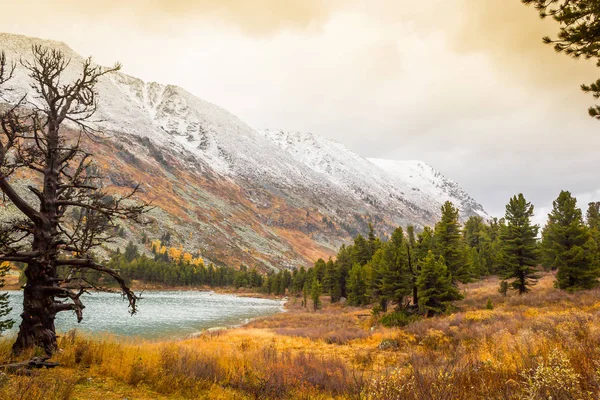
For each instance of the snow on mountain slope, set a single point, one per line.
(399, 185)
(424, 179)
(271, 199)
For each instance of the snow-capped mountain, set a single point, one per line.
(271, 199)
(423, 181)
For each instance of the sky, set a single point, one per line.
(464, 85)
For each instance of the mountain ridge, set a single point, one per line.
(271, 199)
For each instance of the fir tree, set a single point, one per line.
(567, 245)
(436, 290)
(519, 246)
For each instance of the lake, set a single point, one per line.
(161, 314)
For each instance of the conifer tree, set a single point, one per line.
(343, 264)
(315, 294)
(448, 243)
(413, 266)
(578, 35)
(378, 269)
(519, 246)
(5, 309)
(357, 286)
(436, 290)
(424, 244)
(593, 220)
(567, 245)
(397, 280)
(361, 251)
(305, 295)
(329, 280)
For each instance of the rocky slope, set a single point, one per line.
(268, 199)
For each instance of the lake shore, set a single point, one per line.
(341, 352)
(12, 283)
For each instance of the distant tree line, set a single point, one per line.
(174, 267)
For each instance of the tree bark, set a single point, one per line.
(37, 324)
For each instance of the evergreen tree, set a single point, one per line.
(473, 231)
(519, 246)
(315, 293)
(305, 295)
(397, 280)
(131, 252)
(343, 264)
(436, 290)
(357, 286)
(593, 215)
(448, 243)
(361, 251)
(378, 269)
(5, 309)
(413, 266)
(578, 35)
(567, 245)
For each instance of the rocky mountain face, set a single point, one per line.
(269, 199)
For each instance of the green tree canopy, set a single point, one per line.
(436, 290)
(519, 245)
(567, 245)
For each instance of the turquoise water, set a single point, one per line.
(161, 314)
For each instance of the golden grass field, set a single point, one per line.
(538, 346)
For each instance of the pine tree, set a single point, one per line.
(357, 286)
(448, 243)
(361, 251)
(378, 269)
(578, 34)
(413, 265)
(436, 290)
(567, 245)
(305, 295)
(343, 264)
(131, 252)
(316, 290)
(5, 309)
(329, 279)
(519, 246)
(397, 279)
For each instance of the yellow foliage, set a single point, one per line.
(187, 258)
(479, 315)
(198, 262)
(174, 254)
(156, 244)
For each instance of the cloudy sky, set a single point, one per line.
(465, 85)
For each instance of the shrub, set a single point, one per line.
(554, 379)
(489, 305)
(398, 318)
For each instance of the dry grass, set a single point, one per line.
(545, 344)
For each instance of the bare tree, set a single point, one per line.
(68, 213)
